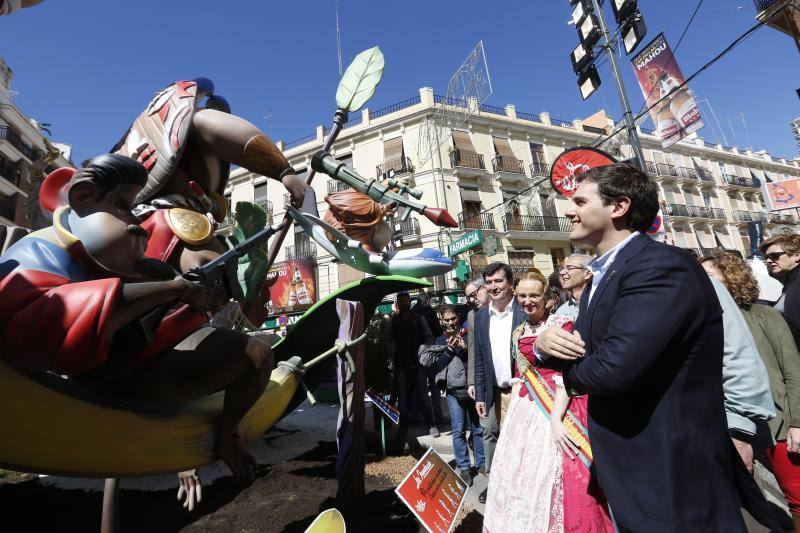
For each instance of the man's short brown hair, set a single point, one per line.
(789, 243)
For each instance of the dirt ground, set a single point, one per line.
(285, 497)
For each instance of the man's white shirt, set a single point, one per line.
(600, 266)
(500, 327)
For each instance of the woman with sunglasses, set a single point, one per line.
(540, 478)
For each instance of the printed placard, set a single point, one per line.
(434, 492)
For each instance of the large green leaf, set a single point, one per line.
(360, 80)
(250, 219)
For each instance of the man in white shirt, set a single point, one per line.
(494, 367)
(575, 276)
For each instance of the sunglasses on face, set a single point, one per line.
(774, 256)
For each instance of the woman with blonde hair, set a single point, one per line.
(541, 479)
(778, 351)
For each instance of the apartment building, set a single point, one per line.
(26, 156)
(492, 175)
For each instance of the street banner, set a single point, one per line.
(434, 492)
(755, 230)
(659, 75)
(295, 288)
(781, 194)
(391, 412)
(571, 163)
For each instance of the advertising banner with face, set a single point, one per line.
(295, 288)
(676, 115)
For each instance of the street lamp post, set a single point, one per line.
(633, 135)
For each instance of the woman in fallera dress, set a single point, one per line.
(541, 479)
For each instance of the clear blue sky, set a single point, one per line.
(90, 67)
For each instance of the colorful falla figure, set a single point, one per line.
(80, 299)
(187, 151)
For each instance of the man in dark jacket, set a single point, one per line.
(409, 332)
(782, 255)
(425, 311)
(447, 357)
(648, 352)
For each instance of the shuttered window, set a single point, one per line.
(393, 149)
(462, 141)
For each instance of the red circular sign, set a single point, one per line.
(656, 227)
(573, 162)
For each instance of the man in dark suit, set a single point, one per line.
(494, 366)
(648, 351)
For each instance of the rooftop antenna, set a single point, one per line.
(268, 116)
(338, 39)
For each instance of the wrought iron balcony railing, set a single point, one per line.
(409, 230)
(463, 158)
(749, 216)
(479, 221)
(676, 210)
(508, 164)
(536, 223)
(539, 169)
(10, 172)
(336, 185)
(301, 251)
(740, 181)
(763, 5)
(401, 165)
(14, 138)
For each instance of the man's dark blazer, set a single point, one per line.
(484, 365)
(653, 373)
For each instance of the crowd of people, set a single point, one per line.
(631, 390)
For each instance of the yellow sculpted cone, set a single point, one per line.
(330, 521)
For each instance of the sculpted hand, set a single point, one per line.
(793, 440)
(471, 391)
(563, 440)
(199, 297)
(389, 209)
(745, 450)
(191, 488)
(297, 188)
(481, 408)
(559, 343)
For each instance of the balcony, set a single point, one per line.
(336, 186)
(464, 159)
(401, 165)
(692, 173)
(749, 216)
(515, 222)
(10, 172)
(16, 141)
(301, 251)
(508, 165)
(662, 170)
(676, 210)
(8, 206)
(787, 22)
(738, 181)
(713, 213)
(479, 221)
(409, 231)
(539, 169)
(780, 218)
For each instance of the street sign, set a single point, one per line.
(465, 242)
(283, 319)
(434, 492)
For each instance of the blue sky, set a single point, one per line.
(90, 67)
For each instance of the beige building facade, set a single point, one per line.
(486, 174)
(25, 157)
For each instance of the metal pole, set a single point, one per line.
(633, 135)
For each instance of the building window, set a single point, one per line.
(557, 257)
(521, 262)
(477, 262)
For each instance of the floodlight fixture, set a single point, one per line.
(633, 32)
(623, 9)
(581, 57)
(588, 82)
(589, 31)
